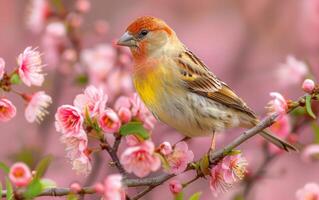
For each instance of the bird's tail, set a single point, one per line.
(277, 141)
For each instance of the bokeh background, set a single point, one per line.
(243, 42)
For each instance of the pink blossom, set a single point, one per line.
(125, 114)
(7, 110)
(179, 158)
(30, 67)
(217, 181)
(37, 105)
(75, 187)
(175, 186)
(113, 188)
(308, 85)
(309, 192)
(140, 159)
(165, 148)
(277, 105)
(93, 101)
(2, 66)
(20, 174)
(38, 13)
(132, 140)
(82, 165)
(68, 119)
(56, 29)
(99, 188)
(76, 144)
(109, 121)
(311, 153)
(292, 72)
(83, 5)
(138, 110)
(234, 168)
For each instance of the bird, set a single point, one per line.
(179, 89)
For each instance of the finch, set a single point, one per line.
(179, 89)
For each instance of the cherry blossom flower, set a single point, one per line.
(217, 181)
(292, 72)
(234, 168)
(281, 128)
(165, 148)
(109, 121)
(7, 110)
(124, 114)
(77, 152)
(140, 159)
(37, 105)
(308, 85)
(30, 67)
(93, 101)
(277, 105)
(20, 174)
(179, 158)
(309, 192)
(56, 29)
(82, 165)
(38, 13)
(310, 153)
(175, 186)
(132, 140)
(68, 119)
(2, 66)
(228, 171)
(113, 188)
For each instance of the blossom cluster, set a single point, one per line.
(29, 71)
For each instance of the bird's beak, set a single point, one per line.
(127, 40)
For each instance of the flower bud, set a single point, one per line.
(175, 186)
(308, 85)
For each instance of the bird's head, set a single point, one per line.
(146, 35)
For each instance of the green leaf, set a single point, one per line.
(195, 196)
(234, 152)
(308, 107)
(299, 111)
(15, 79)
(238, 197)
(4, 168)
(42, 166)
(82, 79)
(179, 196)
(204, 164)
(72, 196)
(134, 128)
(47, 183)
(9, 190)
(34, 189)
(315, 128)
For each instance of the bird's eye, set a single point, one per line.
(143, 33)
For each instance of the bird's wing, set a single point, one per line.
(200, 80)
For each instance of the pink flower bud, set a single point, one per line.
(175, 186)
(165, 148)
(125, 114)
(7, 110)
(20, 174)
(109, 121)
(83, 5)
(308, 85)
(75, 187)
(99, 188)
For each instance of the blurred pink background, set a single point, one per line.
(243, 42)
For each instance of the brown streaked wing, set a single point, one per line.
(200, 80)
